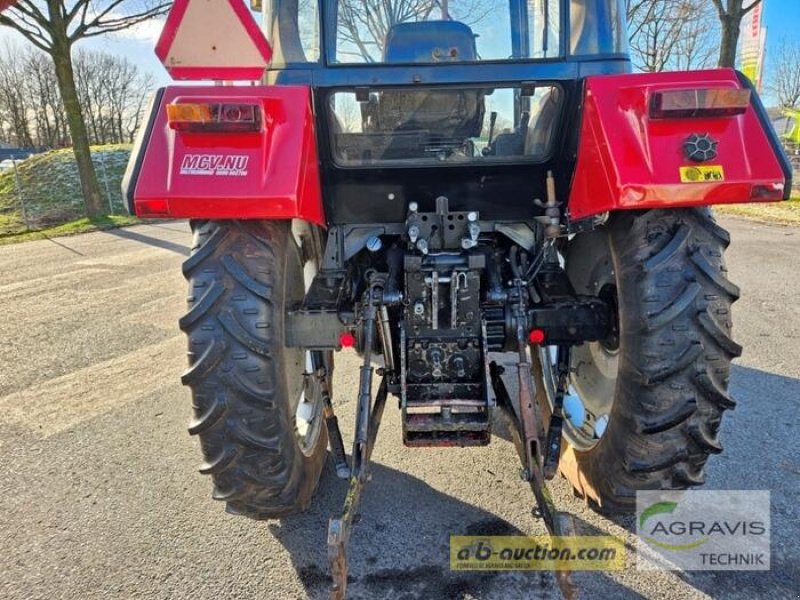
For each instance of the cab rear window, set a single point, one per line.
(444, 125)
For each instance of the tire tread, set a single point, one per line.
(674, 371)
(236, 275)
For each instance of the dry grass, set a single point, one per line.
(75, 227)
(49, 186)
(786, 213)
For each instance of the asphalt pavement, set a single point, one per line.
(100, 495)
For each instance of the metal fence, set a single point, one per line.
(44, 190)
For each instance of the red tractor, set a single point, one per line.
(431, 182)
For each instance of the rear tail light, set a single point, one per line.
(212, 117)
(767, 193)
(152, 208)
(708, 102)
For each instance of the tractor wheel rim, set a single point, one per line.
(309, 412)
(308, 416)
(594, 369)
(590, 393)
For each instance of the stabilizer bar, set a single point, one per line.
(558, 523)
(339, 530)
(368, 420)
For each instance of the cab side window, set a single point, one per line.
(295, 31)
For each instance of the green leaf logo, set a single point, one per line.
(657, 509)
(660, 508)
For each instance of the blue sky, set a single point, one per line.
(782, 17)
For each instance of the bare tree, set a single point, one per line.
(89, 73)
(638, 12)
(55, 26)
(14, 104)
(731, 13)
(127, 92)
(112, 91)
(656, 30)
(785, 74)
(41, 85)
(698, 42)
(670, 34)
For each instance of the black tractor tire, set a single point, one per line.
(245, 383)
(675, 353)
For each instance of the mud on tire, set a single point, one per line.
(674, 364)
(245, 383)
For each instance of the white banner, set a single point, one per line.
(753, 42)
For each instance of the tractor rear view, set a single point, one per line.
(433, 188)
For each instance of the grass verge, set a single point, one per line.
(48, 187)
(84, 225)
(785, 213)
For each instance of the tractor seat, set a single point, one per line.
(445, 114)
(430, 42)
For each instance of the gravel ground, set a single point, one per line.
(100, 496)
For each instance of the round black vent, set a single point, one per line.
(701, 148)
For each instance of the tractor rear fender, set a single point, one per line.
(227, 153)
(660, 140)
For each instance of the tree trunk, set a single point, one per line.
(92, 198)
(730, 40)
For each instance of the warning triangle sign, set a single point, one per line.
(213, 39)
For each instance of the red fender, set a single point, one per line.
(629, 160)
(272, 173)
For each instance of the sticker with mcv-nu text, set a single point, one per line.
(703, 174)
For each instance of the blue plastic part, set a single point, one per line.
(574, 411)
(430, 42)
(600, 426)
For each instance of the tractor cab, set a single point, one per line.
(477, 84)
(429, 32)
